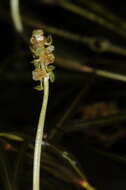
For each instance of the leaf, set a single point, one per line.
(39, 88)
(52, 76)
(11, 136)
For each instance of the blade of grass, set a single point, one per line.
(12, 136)
(100, 9)
(68, 171)
(112, 156)
(82, 125)
(92, 17)
(19, 163)
(56, 134)
(5, 171)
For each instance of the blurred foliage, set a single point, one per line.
(86, 114)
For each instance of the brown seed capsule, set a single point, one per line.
(39, 74)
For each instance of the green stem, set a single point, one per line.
(39, 135)
(16, 17)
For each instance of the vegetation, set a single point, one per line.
(82, 130)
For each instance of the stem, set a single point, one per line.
(39, 135)
(16, 17)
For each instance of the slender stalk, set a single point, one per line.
(16, 17)
(39, 135)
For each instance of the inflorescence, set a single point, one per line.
(42, 50)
